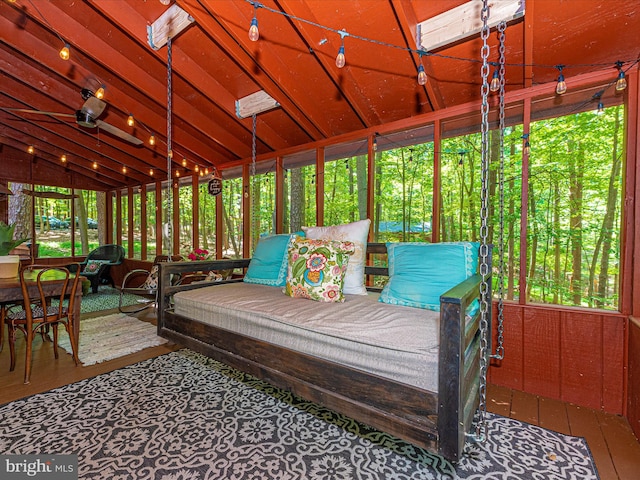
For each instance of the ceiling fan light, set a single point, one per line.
(64, 52)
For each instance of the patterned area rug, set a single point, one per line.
(106, 298)
(182, 416)
(111, 336)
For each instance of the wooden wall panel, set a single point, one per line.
(633, 397)
(508, 372)
(572, 355)
(581, 376)
(541, 329)
(613, 364)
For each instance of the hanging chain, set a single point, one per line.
(499, 355)
(252, 175)
(169, 152)
(480, 435)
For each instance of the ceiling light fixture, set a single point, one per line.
(561, 87)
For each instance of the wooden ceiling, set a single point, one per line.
(214, 63)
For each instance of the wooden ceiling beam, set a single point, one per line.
(16, 155)
(136, 68)
(208, 16)
(188, 67)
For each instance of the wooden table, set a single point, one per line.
(11, 291)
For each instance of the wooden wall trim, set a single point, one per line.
(633, 393)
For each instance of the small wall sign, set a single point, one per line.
(215, 186)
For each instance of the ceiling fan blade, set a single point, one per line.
(118, 133)
(39, 112)
(94, 107)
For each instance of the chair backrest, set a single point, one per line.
(165, 258)
(114, 254)
(65, 286)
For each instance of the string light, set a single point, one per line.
(30, 150)
(130, 121)
(340, 60)
(197, 168)
(254, 33)
(64, 52)
(151, 172)
(600, 110)
(527, 147)
(152, 140)
(124, 169)
(621, 83)
(63, 158)
(100, 92)
(561, 86)
(95, 165)
(184, 162)
(494, 86)
(422, 75)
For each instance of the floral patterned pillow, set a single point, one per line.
(93, 266)
(316, 269)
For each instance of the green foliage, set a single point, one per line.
(7, 243)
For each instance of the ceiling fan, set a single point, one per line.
(87, 116)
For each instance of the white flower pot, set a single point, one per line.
(9, 265)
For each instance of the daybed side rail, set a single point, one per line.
(459, 366)
(168, 270)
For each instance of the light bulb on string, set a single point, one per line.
(63, 158)
(130, 121)
(526, 150)
(31, 150)
(151, 172)
(254, 33)
(494, 86)
(184, 162)
(561, 86)
(95, 165)
(340, 60)
(124, 169)
(64, 52)
(621, 82)
(600, 110)
(100, 92)
(422, 75)
(152, 140)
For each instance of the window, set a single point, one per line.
(574, 221)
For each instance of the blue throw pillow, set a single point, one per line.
(419, 273)
(268, 266)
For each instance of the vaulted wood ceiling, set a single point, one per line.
(214, 63)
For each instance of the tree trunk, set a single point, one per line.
(576, 168)
(361, 177)
(296, 213)
(610, 215)
(20, 211)
(101, 206)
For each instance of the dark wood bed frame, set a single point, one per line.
(437, 422)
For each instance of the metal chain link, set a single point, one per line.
(480, 435)
(499, 355)
(169, 151)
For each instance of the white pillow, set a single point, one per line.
(356, 232)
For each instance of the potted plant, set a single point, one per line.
(8, 263)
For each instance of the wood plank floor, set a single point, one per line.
(615, 449)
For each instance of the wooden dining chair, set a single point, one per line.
(43, 309)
